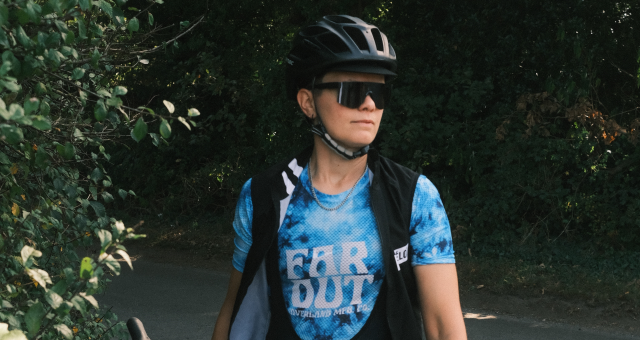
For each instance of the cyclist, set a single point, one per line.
(340, 242)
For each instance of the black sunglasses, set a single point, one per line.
(353, 93)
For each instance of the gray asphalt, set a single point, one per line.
(177, 302)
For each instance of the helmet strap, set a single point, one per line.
(321, 131)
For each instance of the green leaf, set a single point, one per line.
(30, 105)
(125, 257)
(4, 159)
(4, 14)
(5, 68)
(100, 111)
(139, 131)
(95, 56)
(104, 93)
(96, 175)
(133, 25)
(70, 38)
(105, 237)
(78, 73)
(98, 208)
(14, 335)
(122, 193)
(107, 197)
(79, 303)
(44, 108)
(106, 7)
(94, 192)
(53, 40)
(42, 158)
(184, 121)
(150, 18)
(119, 90)
(114, 101)
(53, 299)
(112, 263)
(3, 39)
(41, 123)
(33, 318)
(33, 11)
(62, 26)
(85, 4)
(86, 270)
(90, 298)
(40, 89)
(53, 57)
(165, 129)
(60, 288)
(67, 151)
(148, 109)
(64, 309)
(64, 331)
(82, 29)
(28, 252)
(10, 134)
(5, 114)
(118, 16)
(16, 111)
(193, 112)
(169, 106)
(10, 85)
(22, 37)
(78, 134)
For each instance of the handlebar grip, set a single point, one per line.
(136, 329)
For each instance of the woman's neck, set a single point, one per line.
(331, 173)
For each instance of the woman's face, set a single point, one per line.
(352, 128)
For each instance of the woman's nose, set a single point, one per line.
(368, 104)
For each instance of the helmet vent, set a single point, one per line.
(378, 39)
(338, 19)
(313, 31)
(358, 37)
(333, 42)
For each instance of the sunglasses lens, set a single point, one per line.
(353, 94)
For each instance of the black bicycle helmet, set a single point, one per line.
(337, 43)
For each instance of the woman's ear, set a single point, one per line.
(305, 100)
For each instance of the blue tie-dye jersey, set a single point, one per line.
(330, 261)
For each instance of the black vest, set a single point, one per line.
(391, 191)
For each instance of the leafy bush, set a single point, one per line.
(524, 116)
(60, 103)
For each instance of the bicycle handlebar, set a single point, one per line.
(136, 329)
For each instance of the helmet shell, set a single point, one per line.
(337, 43)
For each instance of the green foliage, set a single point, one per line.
(514, 120)
(60, 104)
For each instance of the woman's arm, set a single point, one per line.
(221, 330)
(440, 301)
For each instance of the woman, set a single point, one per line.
(339, 242)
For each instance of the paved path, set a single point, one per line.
(177, 303)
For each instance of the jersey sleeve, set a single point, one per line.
(430, 232)
(242, 226)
